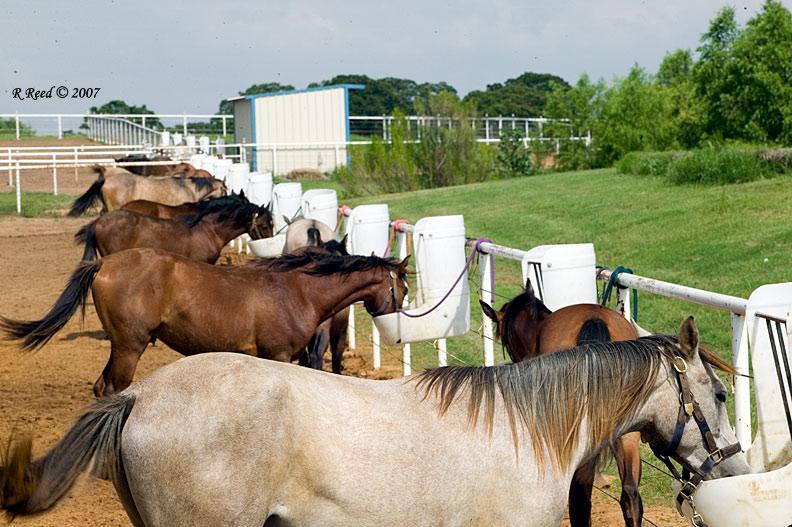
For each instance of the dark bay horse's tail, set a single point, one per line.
(91, 196)
(593, 330)
(87, 235)
(29, 486)
(36, 333)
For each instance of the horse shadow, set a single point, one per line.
(96, 335)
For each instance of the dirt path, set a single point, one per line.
(43, 392)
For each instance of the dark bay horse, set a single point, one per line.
(115, 187)
(304, 232)
(527, 329)
(147, 170)
(269, 308)
(200, 236)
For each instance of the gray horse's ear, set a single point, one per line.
(490, 311)
(528, 288)
(689, 337)
(287, 220)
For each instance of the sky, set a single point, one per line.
(184, 57)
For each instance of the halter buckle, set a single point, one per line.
(716, 456)
(688, 408)
(697, 520)
(687, 490)
(679, 364)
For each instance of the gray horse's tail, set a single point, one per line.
(91, 196)
(29, 486)
(87, 235)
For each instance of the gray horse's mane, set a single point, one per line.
(551, 394)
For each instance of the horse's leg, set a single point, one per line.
(125, 352)
(628, 460)
(317, 347)
(338, 340)
(580, 494)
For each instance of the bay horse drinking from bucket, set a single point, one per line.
(269, 308)
(115, 186)
(304, 232)
(224, 439)
(200, 236)
(527, 329)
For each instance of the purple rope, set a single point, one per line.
(475, 249)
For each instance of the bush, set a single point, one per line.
(717, 166)
(513, 158)
(647, 163)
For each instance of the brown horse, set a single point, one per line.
(115, 187)
(269, 308)
(527, 329)
(200, 236)
(158, 210)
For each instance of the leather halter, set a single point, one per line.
(390, 298)
(688, 407)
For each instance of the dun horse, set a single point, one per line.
(225, 439)
(115, 186)
(158, 210)
(269, 308)
(200, 236)
(527, 329)
(312, 233)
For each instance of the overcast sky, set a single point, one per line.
(186, 56)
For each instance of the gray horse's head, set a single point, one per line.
(709, 394)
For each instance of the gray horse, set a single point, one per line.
(227, 439)
(305, 232)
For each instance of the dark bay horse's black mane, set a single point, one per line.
(235, 207)
(317, 261)
(199, 182)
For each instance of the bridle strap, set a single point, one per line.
(690, 408)
(390, 298)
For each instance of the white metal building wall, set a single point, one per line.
(243, 133)
(311, 116)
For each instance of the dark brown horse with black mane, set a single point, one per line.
(200, 236)
(269, 308)
(114, 187)
(527, 329)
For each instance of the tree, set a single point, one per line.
(524, 96)
(675, 79)
(677, 67)
(118, 106)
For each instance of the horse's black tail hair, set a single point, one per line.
(91, 196)
(29, 486)
(593, 330)
(87, 235)
(36, 333)
(314, 237)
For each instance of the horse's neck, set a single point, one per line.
(335, 292)
(221, 231)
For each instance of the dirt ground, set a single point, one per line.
(43, 392)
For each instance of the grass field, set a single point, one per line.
(34, 204)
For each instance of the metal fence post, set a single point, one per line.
(487, 290)
(742, 385)
(18, 191)
(224, 127)
(406, 349)
(54, 175)
(17, 127)
(376, 352)
(184, 124)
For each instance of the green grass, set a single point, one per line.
(729, 239)
(34, 204)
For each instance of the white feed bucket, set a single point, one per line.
(260, 188)
(321, 204)
(285, 202)
(268, 247)
(196, 160)
(208, 164)
(204, 142)
(177, 138)
(221, 168)
(439, 248)
(165, 138)
(190, 141)
(236, 181)
(368, 230)
(562, 275)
